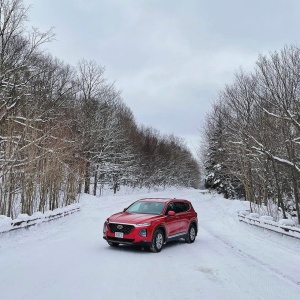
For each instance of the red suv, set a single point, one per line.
(152, 222)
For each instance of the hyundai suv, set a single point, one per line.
(151, 222)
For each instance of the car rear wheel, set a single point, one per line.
(157, 241)
(113, 244)
(191, 234)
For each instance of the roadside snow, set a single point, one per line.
(283, 226)
(68, 259)
(286, 222)
(24, 220)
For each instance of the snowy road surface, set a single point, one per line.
(68, 259)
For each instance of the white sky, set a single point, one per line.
(169, 57)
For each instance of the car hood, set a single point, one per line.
(124, 217)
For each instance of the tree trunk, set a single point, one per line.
(87, 178)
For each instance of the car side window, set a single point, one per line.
(170, 207)
(181, 207)
(187, 206)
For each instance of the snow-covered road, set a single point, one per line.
(68, 259)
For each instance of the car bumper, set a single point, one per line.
(127, 241)
(133, 237)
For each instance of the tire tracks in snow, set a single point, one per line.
(274, 271)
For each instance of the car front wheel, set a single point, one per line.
(191, 234)
(157, 241)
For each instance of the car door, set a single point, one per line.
(183, 216)
(171, 222)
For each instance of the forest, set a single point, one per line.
(252, 136)
(65, 129)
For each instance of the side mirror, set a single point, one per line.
(171, 213)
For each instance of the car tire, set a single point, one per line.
(113, 244)
(157, 241)
(191, 236)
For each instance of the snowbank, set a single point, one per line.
(24, 220)
(5, 223)
(283, 226)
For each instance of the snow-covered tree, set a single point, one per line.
(260, 132)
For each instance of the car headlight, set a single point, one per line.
(105, 226)
(143, 224)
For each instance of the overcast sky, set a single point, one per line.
(169, 57)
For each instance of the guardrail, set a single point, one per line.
(284, 226)
(24, 220)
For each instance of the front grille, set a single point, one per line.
(126, 229)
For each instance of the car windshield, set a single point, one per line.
(144, 207)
